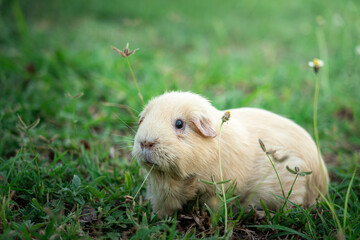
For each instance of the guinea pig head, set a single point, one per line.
(176, 132)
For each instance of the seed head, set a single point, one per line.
(226, 116)
(126, 51)
(262, 145)
(316, 64)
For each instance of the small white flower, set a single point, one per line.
(316, 64)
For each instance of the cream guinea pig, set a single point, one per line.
(178, 136)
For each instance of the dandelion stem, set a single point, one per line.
(316, 132)
(316, 97)
(221, 179)
(134, 79)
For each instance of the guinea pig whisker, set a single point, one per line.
(125, 137)
(123, 148)
(130, 128)
(122, 136)
(125, 124)
(134, 157)
(133, 109)
(125, 144)
(132, 141)
(124, 141)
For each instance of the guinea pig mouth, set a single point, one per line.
(149, 161)
(148, 158)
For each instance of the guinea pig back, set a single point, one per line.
(178, 137)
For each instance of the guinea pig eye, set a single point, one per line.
(179, 124)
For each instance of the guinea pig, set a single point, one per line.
(178, 137)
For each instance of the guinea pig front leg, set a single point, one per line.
(168, 195)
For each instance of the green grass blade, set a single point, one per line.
(347, 199)
(282, 228)
(332, 209)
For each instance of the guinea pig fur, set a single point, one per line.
(178, 136)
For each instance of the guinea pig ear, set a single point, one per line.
(202, 124)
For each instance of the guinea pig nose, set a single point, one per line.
(147, 144)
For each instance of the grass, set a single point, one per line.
(235, 53)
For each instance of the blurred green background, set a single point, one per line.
(236, 53)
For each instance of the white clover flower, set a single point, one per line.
(316, 64)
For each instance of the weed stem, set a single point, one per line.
(136, 83)
(221, 179)
(316, 97)
(290, 191)
(35, 156)
(278, 177)
(316, 132)
(142, 184)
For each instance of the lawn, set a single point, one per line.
(71, 176)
